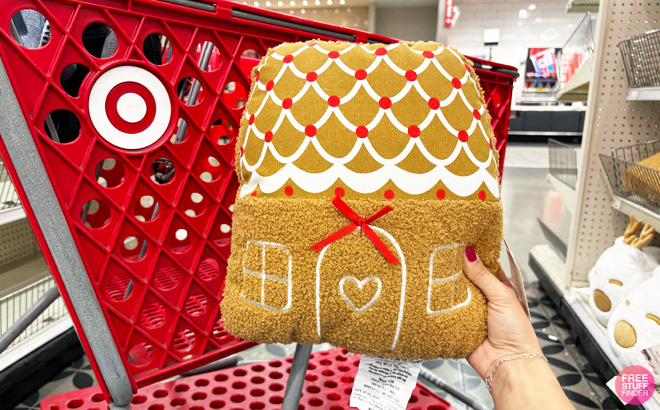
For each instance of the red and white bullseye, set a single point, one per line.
(130, 107)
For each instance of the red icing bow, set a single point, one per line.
(358, 222)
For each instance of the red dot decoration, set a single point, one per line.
(381, 51)
(312, 76)
(477, 114)
(333, 54)
(482, 195)
(362, 131)
(385, 103)
(456, 83)
(254, 193)
(333, 101)
(287, 59)
(287, 103)
(389, 194)
(251, 119)
(288, 190)
(310, 130)
(440, 194)
(268, 137)
(428, 54)
(241, 151)
(361, 74)
(463, 135)
(270, 85)
(434, 104)
(413, 131)
(339, 191)
(411, 75)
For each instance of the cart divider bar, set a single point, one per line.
(193, 4)
(246, 15)
(42, 200)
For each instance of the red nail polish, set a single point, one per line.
(470, 254)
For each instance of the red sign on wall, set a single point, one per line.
(449, 12)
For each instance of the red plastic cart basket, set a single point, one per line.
(118, 131)
(328, 385)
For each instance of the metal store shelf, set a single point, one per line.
(644, 94)
(574, 308)
(630, 208)
(567, 193)
(11, 215)
(582, 6)
(577, 88)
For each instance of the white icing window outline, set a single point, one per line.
(451, 278)
(263, 275)
(402, 259)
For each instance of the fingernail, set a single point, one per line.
(470, 254)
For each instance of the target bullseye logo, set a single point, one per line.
(130, 107)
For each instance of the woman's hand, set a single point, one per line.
(524, 384)
(509, 329)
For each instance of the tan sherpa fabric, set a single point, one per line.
(402, 126)
(419, 227)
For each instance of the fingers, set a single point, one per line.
(490, 285)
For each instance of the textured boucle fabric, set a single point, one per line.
(419, 228)
(400, 129)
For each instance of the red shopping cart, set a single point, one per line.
(118, 127)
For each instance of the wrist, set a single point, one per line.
(518, 362)
(512, 374)
(518, 383)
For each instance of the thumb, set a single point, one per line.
(489, 284)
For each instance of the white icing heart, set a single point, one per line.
(360, 284)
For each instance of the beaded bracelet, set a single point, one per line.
(489, 379)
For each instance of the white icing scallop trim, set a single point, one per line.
(411, 183)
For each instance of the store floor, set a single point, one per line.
(526, 197)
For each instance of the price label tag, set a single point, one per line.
(384, 384)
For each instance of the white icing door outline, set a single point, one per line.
(263, 275)
(402, 259)
(451, 278)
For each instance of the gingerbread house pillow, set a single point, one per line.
(365, 171)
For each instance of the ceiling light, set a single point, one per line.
(267, 4)
(256, 4)
(342, 1)
(531, 7)
(304, 2)
(329, 2)
(279, 3)
(293, 3)
(317, 2)
(302, 11)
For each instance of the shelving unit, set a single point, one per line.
(616, 117)
(582, 6)
(566, 192)
(644, 94)
(627, 207)
(577, 88)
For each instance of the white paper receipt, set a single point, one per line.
(384, 384)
